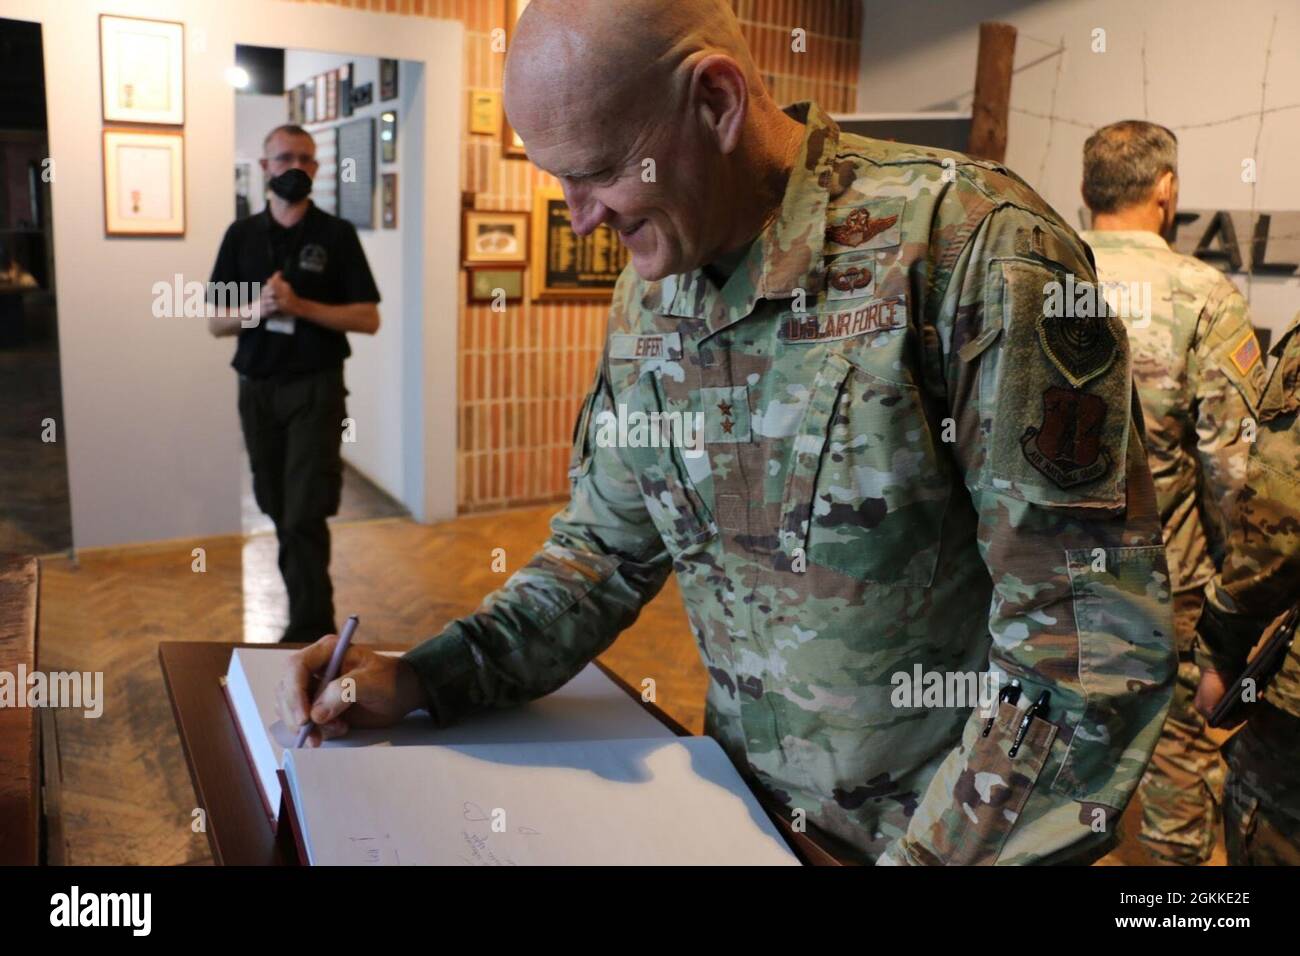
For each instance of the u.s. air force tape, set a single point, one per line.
(877, 315)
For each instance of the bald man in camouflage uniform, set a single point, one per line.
(1199, 371)
(1259, 581)
(912, 458)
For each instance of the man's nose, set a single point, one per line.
(586, 212)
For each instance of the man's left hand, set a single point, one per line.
(1209, 692)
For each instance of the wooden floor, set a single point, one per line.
(126, 793)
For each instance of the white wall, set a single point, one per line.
(1204, 62)
(256, 114)
(149, 404)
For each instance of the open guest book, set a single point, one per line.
(583, 776)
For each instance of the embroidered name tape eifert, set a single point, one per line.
(665, 345)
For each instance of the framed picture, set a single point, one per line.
(332, 95)
(144, 183)
(485, 112)
(345, 89)
(492, 238)
(362, 95)
(566, 265)
(142, 70)
(388, 136)
(387, 80)
(356, 193)
(322, 101)
(388, 209)
(484, 283)
(512, 147)
(293, 108)
(309, 102)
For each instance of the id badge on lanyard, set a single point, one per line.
(283, 324)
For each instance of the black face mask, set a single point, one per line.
(291, 185)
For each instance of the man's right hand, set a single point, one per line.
(266, 302)
(384, 690)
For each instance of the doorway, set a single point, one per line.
(35, 509)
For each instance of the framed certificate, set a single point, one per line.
(491, 237)
(144, 183)
(142, 70)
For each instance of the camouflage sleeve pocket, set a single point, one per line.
(1126, 669)
(989, 789)
(1057, 390)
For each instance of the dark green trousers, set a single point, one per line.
(293, 429)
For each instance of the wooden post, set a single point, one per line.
(988, 126)
(20, 775)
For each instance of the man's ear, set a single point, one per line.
(1165, 189)
(722, 98)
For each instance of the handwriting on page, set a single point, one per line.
(485, 844)
(373, 851)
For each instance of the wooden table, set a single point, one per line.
(237, 826)
(20, 769)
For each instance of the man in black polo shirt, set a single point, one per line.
(315, 287)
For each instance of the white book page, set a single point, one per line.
(625, 802)
(589, 707)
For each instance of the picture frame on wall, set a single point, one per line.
(483, 284)
(485, 112)
(332, 95)
(493, 237)
(345, 89)
(142, 70)
(512, 147)
(387, 80)
(309, 103)
(566, 265)
(388, 206)
(144, 182)
(388, 136)
(322, 101)
(362, 95)
(356, 193)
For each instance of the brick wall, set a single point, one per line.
(524, 372)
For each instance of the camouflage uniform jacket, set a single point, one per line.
(1261, 573)
(904, 469)
(1199, 372)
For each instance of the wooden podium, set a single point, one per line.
(238, 828)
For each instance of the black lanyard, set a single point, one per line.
(293, 241)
